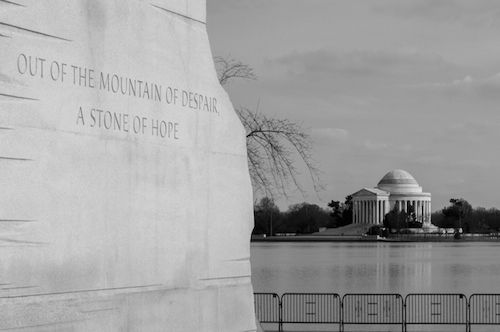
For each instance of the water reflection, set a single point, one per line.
(375, 267)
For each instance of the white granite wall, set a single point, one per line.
(125, 199)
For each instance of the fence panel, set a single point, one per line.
(312, 308)
(267, 307)
(386, 309)
(484, 309)
(436, 309)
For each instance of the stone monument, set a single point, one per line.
(125, 198)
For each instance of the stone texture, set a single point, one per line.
(125, 205)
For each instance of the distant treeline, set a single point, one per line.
(460, 214)
(306, 218)
(300, 218)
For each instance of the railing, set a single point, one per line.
(436, 309)
(382, 309)
(310, 308)
(484, 309)
(267, 307)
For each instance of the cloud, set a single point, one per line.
(360, 73)
(432, 160)
(372, 145)
(476, 14)
(360, 63)
(474, 164)
(358, 143)
(336, 134)
(485, 87)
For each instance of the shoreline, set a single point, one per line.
(353, 238)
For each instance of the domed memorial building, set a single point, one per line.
(397, 189)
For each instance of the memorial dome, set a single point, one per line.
(399, 181)
(396, 191)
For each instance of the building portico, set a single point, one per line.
(397, 189)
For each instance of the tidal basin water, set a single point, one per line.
(371, 267)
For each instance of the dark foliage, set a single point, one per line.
(460, 214)
(341, 213)
(396, 220)
(266, 215)
(300, 218)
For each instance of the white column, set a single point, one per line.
(362, 212)
(361, 215)
(357, 212)
(426, 210)
(373, 212)
(354, 212)
(382, 211)
(369, 211)
(365, 211)
(360, 209)
(422, 204)
(369, 214)
(422, 210)
(417, 210)
(379, 215)
(430, 210)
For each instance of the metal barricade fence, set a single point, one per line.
(311, 308)
(484, 309)
(436, 309)
(382, 309)
(268, 308)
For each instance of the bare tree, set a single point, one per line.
(230, 69)
(272, 144)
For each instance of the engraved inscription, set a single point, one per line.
(115, 83)
(124, 122)
(42, 68)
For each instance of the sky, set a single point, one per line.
(379, 85)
